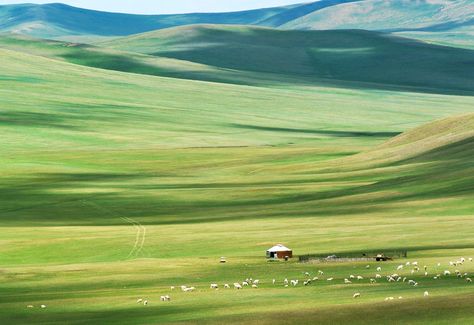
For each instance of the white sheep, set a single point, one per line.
(30, 306)
(214, 286)
(389, 298)
(237, 286)
(360, 278)
(469, 280)
(426, 294)
(378, 276)
(139, 300)
(320, 272)
(43, 306)
(470, 259)
(347, 281)
(446, 273)
(367, 266)
(356, 295)
(245, 283)
(400, 267)
(226, 286)
(273, 281)
(379, 269)
(254, 286)
(373, 281)
(172, 288)
(414, 263)
(352, 276)
(256, 282)
(145, 303)
(330, 279)
(285, 281)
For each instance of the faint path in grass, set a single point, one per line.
(141, 230)
(140, 237)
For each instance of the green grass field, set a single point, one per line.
(116, 186)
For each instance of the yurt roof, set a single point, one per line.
(279, 248)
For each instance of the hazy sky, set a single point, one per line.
(166, 6)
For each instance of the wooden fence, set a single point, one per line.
(352, 256)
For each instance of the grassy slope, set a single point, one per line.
(367, 59)
(88, 147)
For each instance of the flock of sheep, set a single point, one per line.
(393, 277)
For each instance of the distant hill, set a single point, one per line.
(448, 22)
(369, 59)
(59, 20)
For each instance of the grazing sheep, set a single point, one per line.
(286, 286)
(226, 286)
(426, 294)
(273, 281)
(356, 295)
(469, 280)
(389, 298)
(320, 272)
(139, 300)
(367, 266)
(183, 288)
(379, 269)
(352, 276)
(425, 267)
(245, 283)
(30, 306)
(462, 260)
(412, 282)
(347, 281)
(404, 279)
(435, 278)
(414, 263)
(400, 297)
(306, 273)
(446, 273)
(470, 259)
(294, 282)
(286, 281)
(373, 281)
(360, 278)
(400, 267)
(165, 298)
(214, 286)
(315, 278)
(237, 286)
(172, 288)
(378, 276)
(43, 306)
(407, 264)
(256, 282)
(439, 264)
(191, 289)
(330, 279)
(426, 273)
(390, 279)
(254, 286)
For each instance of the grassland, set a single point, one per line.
(118, 185)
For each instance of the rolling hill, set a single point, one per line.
(352, 58)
